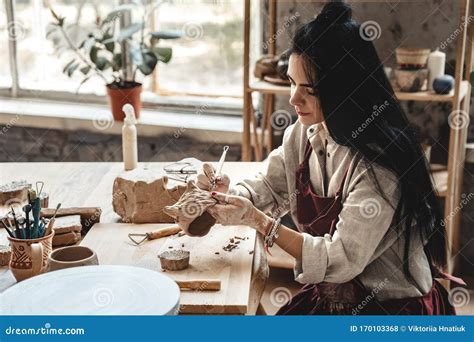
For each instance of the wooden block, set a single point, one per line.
(66, 224)
(14, 192)
(89, 215)
(5, 254)
(66, 239)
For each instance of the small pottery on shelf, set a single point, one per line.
(412, 58)
(443, 84)
(410, 80)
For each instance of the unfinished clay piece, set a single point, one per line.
(190, 211)
(140, 195)
(174, 260)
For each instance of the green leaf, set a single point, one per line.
(108, 42)
(129, 31)
(85, 70)
(166, 34)
(68, 65)
(82, 82)
(117, 62)
(102, 63)
(93, 54)
(472, 78)
(149, 63)
(163, 54)
(71, 69)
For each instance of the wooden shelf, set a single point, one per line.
(432, 96)
(269, 88)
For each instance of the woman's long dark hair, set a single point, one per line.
(362, 112)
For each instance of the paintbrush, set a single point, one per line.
(49, 229)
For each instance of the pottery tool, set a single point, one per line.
(157, 234)
(199, 285)
(49, 228)
(219, 167)
(10, 232)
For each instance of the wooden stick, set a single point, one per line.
(163, 232)
(200, 284)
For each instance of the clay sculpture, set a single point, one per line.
(190, 212)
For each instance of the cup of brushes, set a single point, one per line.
(31, 238)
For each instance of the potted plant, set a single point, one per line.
(117, 55)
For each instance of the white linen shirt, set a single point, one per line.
(366, 244)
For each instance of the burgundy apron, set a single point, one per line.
(319, 215)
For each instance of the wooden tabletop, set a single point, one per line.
(90, 184)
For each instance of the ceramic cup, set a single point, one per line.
(30, 256)
(72, 256)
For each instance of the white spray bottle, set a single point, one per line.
(129, 138)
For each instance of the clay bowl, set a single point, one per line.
(71, 256)
(174, 260)
(410, 80)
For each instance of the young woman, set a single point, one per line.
(352, 175)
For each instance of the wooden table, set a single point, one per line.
(90, 184)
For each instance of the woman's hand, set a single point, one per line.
(237, 210)
(205, 179)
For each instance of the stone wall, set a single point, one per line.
(23, 144)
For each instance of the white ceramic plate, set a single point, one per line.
(93, 290)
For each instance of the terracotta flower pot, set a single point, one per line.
(118, 95)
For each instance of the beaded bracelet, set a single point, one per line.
(272, 234)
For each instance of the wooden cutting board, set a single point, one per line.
(234, 269)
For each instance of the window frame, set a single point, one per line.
(162, 98)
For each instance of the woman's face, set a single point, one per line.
(306, 103)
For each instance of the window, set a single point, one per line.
(206, 62)
(208, 59)
(5, 76)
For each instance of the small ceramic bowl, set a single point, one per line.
(72, 256)
(410, 80)
(174, 260)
